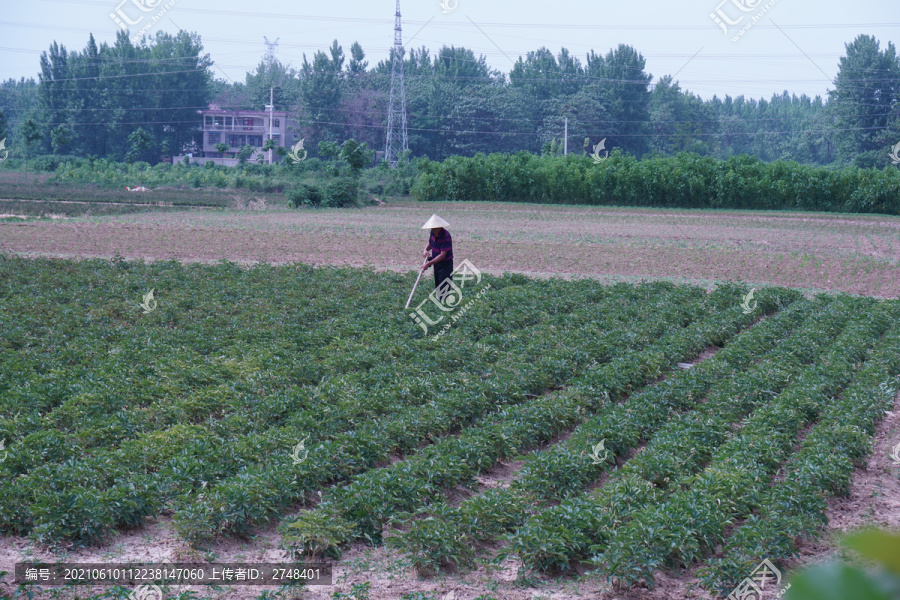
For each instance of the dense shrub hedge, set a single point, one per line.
(305, 194)
(338, 192)
(684, 181)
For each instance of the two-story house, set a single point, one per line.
(239, 128)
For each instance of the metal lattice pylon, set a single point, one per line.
(397, 141)
(270, 49)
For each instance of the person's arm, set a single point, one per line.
(438, 258)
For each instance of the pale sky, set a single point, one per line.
(674, 37)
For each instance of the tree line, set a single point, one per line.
(90, 102)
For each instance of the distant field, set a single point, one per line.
(82, 200)
(858, 254)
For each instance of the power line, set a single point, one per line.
(154, 74)
(713, 121)
(502, 133)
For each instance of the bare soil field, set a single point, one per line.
(858, 254)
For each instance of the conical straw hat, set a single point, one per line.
(435, 221)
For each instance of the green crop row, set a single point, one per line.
(362, 447)
(693, 519)
(372, 499)
(174, 460)
(683, 181)
(111, 417)
(567, 467)
(732, 397)
(307, 357)
(794, 506)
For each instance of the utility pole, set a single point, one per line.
(397, 141)
(566, 139)
(271, 115)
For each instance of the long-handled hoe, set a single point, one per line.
(416, 285)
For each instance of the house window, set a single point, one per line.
(228, 122)
(215, 137)
(219, 121)
(277, 122)
(255, 140)
(247, 122)
(236, 141)
(208, 121)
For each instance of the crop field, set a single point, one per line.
(549, 437)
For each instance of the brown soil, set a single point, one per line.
(874, 498)
(851, 253)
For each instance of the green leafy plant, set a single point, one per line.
(138, 142)
(306, 194)
(341, 192)
(838, 580)
(358, 591)
(31, 133)
(317, 534)
(244, 154)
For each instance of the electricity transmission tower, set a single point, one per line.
(397, 142)
(270, 49)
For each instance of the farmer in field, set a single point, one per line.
(441, 245)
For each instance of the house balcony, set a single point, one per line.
(236, 129)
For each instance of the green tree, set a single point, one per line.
(61, 137)
(17, 100)
(321, 89)
(244, 154)
(488, 118)
(103, 90)
(268, 145)
(462, 66)
(680, 122)
(865, 96)
(31, 133)
(624, 89)
(538, 74)
(138, 142)
(356, 155)
(283, 82)
(358, 64)
(329, 150)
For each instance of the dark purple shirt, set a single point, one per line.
(439, 244)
